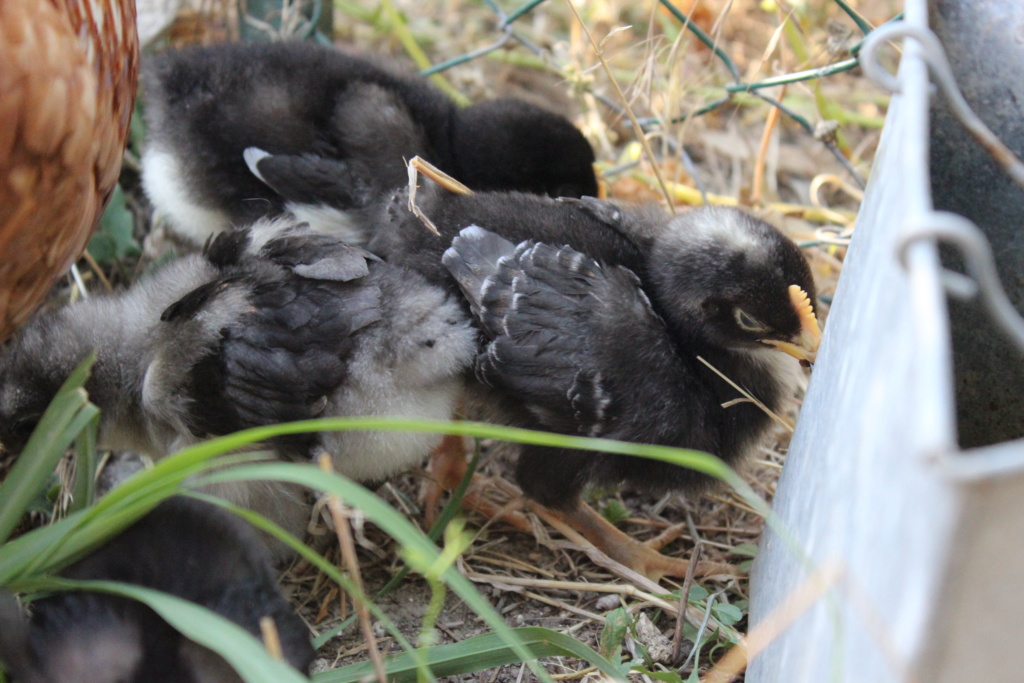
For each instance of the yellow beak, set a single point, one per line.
(805, 346)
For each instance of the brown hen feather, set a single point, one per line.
(68, 74)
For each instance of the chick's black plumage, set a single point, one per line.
(285, 327)
(324, 130)
(190, 549)
(594, 317)
(273, 323)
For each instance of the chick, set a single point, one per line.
(185, 547)
(594, 319)
(326, 132)
(271, 324)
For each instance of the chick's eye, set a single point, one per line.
(747, 322)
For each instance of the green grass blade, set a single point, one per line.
(84, 492)
(242, 651)
(695, 460)
(451, 508)
(16, 555)
(400, 29)
(48, 549)
(395, 525)
(475, 654)
(315, 558)
(64, 418)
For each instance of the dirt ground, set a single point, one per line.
(534, 580)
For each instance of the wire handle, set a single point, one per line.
(982, 279)
(935, 57)
(941, 226)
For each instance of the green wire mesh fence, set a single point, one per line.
(506, 21)
(316, 23)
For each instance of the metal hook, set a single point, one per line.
(883, 34)
(956, 230)
(935, 57)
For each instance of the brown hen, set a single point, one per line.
(68, 74)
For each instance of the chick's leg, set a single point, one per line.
(625, 549)
(553, 479)
(448, 466)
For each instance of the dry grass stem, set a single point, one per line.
(880, 628)
(326, 604)
(348, 554)
(416, 166)
(438, 176)
(637, 128)
(511, 563)
(79, 289)
(770, 125)
(597, 618)
(757, 639)
(271, 638)
(575, 675)
(832, 180)
(512, 582)
(788, 424)
(95, 267)
(684, 597)
(691, 196)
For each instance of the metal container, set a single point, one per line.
(905, 477)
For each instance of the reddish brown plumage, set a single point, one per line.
(68, 74)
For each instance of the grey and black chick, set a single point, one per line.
(270, 324)
(185, 547)
(326, 132)
(594, 318)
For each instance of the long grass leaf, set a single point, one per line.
(315, 558)
(692, 459)
(48, 549)
(451, 508)
(64, 418)
(475, 654)
(84, 492)
(395, 525)
(241, 650)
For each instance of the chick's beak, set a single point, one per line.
(805, 345)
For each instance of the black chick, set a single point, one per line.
(271, 324)
(594, 319)
(185, 547)
(336, 129)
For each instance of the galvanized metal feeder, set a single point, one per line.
(905, 478)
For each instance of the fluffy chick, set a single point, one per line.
(270, 324)
(582, 346)
(329, 132)
(595, 317)
(185, 547)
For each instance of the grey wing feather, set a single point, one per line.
(318, 256)
(547, 312)
(473, 258)
(309, 178)
(599, 209)
(277, 357)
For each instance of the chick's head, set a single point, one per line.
(734, 281)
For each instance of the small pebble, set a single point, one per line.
(658, 645)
